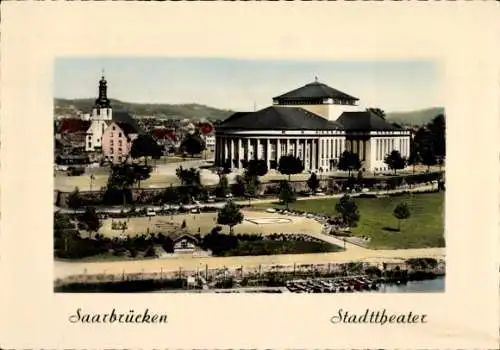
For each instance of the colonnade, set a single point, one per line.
(384, 146)
(315, 152)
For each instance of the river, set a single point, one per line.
(427, 286)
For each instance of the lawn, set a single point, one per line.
(425, 227)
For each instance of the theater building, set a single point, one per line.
(315, 123)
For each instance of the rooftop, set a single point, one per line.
(365, 121)
(315, 90)
(278, 118)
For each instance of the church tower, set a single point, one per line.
(102, 114)
(102, 108)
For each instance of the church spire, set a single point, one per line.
(102, 101)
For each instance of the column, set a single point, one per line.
(361, 150)
(226, 150)
(247, 153)
(268, 153)
(238, 142)
(320, 142)
(308, 146)
(330, 151)
(288, 147)
(314, 163)
(231, 155)
(259, 147)
(296, 147)
(278, 151)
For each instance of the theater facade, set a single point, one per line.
(316, 123)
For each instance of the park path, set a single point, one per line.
(419, 188)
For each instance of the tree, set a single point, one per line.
(257, 167)
(230, 215)
(121, 178)
(74, 199)
(401, 212)
(348, 210)
(286, 193)
(222, 188)
(377, 111)
(90, 219)
(192, 144)
(250, 185)
(290, 165)
(437, 131)
(190, 183)
(145, 146)
(349, 161)
(188, 177)
(394, 161)
(313, 182)
(360, 177)
(142, 172)
(414, 159)
(428, 157)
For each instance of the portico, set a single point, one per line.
(316, 150)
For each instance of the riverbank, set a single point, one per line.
(384, 273)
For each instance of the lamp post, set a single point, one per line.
(92, 178)
(412, 147)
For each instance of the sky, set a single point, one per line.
(235, 84)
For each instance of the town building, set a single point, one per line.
(315, 123)
(184, 243)
(111, 132)
(117, 141)
(209, 142)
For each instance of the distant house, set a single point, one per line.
(210, 142)
(165, 137)
(184, 243)
(117, 141)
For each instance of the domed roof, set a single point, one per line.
(315, 90)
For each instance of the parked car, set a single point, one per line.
(150, 212)
(75, 171)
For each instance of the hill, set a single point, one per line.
(167, 111)
(197, 111)
(416, 118)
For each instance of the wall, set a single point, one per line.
(60, 197)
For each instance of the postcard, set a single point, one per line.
(249, 175)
